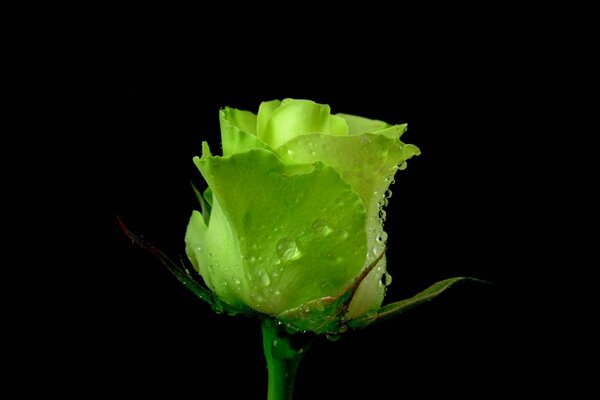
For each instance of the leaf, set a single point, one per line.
(181, 273)
(391, 310)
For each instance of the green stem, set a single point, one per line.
(282, 360)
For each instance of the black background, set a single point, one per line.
(155, 98)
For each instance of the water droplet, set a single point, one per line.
(341, 233)
(256, 298)
(236, 282)
(288, 250)
(384, 236)
(365, 140)
(386, 279)
(252, 259)
(388, 194)
(402, 166)
(320, 225)
(265, 280)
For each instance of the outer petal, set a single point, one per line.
(358, 125)
(297, 117)
(214, 252)
(368, 163)
(370, 293)
(296, 237)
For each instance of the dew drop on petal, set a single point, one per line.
(384, 236)
(321, 227)
(341, 233)
(287, 250)
(387, 279)
(264, 279)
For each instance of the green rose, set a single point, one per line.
(292, 220)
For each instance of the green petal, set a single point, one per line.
(289, 238)
(358, 125)
(211, 250)
(243, 120)
(233, 137)
(370, 293)
(367, 162)
(265, 110)
(296, 117)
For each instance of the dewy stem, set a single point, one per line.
(282, 360)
